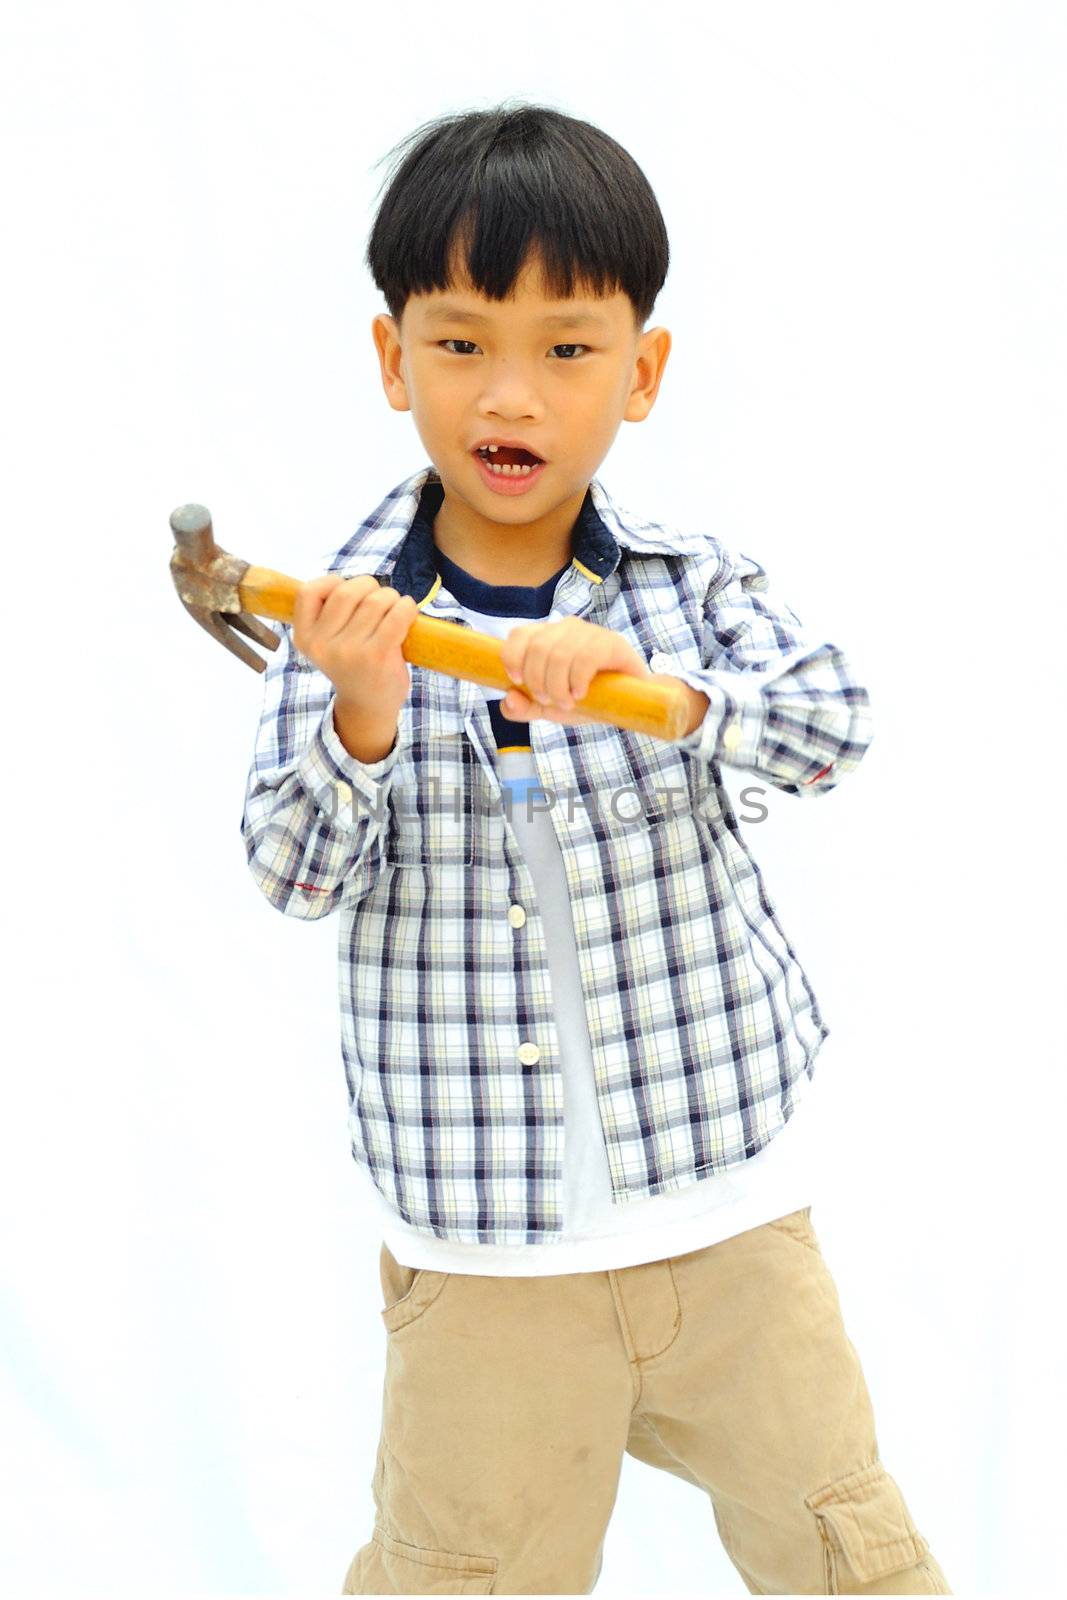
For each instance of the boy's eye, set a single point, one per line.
(473, 346)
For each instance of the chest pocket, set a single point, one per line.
(431, 813)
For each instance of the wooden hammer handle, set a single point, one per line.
(643, 705)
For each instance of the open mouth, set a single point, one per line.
(506, 461)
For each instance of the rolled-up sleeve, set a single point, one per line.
(782, 704)
(313, 815)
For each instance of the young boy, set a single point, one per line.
(576, 1037)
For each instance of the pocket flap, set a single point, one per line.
(416, 1570)
(864, 1516)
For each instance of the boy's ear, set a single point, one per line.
(653, 348)
(386, 336)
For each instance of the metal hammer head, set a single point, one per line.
(208, 582)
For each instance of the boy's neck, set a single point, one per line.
(527, 554)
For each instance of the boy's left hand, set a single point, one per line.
(557, 661)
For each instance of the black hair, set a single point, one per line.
(483, 190)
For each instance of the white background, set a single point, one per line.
(866, 213)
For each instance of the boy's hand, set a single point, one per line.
(557, 661)
(352, 629)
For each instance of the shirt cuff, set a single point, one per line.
(342, 787)
(732, 729)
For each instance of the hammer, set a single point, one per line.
(223, 593)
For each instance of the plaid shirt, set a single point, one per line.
(701, 1020)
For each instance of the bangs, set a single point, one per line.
(477, 197)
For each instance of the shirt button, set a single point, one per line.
(659, 662)
(344, 793)
(528, 1054)
(516, 916)
(731, 734)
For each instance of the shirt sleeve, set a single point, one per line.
(313, 814)
(784, 705)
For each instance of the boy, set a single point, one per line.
(576, 1037)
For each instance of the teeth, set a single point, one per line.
(509, 471)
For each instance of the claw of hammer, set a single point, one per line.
(208, 581)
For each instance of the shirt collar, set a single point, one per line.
(395, 543)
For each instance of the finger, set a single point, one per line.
(393, 627)
(354, 607)
(513, 651)
(308, 603)
(520, 708)
(584, 669)
(567, 669)
(618, 656)
(550, 656)
(557, 685)
(535, 665)
(371, 624)
(517, 705)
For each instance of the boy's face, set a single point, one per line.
(470, 368)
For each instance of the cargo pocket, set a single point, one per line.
(406, 1291)
(413, 1570)
(866, 1531)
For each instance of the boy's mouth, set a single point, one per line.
(507, 455)
(508, 469)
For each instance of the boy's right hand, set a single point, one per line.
(352, 629)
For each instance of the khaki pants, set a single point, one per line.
(509, 1402)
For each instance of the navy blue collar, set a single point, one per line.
(497, 599)
(419, 562)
